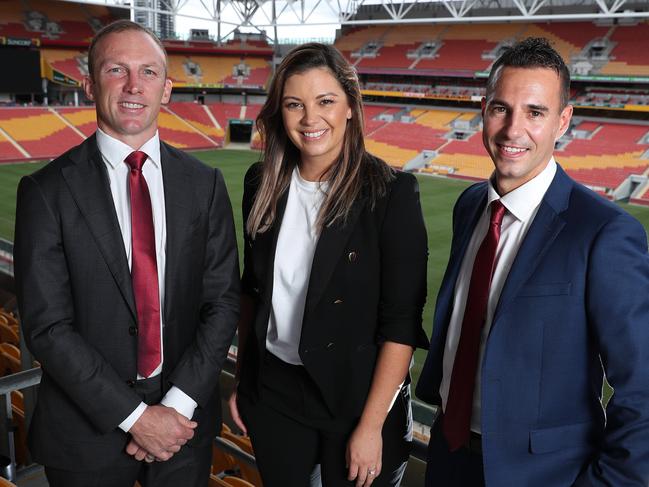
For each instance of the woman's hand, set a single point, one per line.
(364, 454)
(234, 412)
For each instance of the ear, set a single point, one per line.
(88, 87)
(564, 121)
(166, 94)
(349, 113)
(483, 105)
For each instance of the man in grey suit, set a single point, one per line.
(127, 275)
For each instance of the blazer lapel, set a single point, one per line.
(264, 260)
(547, 224)
(89, 186)
(330, 246)
(178, 212)
(474, 208)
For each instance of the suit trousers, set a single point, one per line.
(292, 431)
(189, 467)
(461, 468)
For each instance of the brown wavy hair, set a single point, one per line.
(355, 172)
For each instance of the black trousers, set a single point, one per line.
(190, 467)
(292, 431)
(461, 468)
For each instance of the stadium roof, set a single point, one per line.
(269, 14)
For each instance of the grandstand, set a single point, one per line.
(422, 83)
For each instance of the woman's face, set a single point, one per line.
(315, 111)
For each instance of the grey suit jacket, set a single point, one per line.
(77, 307)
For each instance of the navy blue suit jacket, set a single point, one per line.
(575, 306)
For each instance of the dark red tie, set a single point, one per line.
(144, 269)
(457, 416)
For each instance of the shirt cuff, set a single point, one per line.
(130, 420)
(181, 402)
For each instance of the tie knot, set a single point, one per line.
(136, 159)
(497, 212)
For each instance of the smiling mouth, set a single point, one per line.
(511, 150)
(131, 105)
(314, 135)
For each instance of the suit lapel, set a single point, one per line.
(547, 224)
(89, 186)
(474, 208)
(178, 212)
(330, 246)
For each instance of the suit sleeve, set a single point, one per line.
(404, 254)
(197, 372)
(618, 312)
(45, 298)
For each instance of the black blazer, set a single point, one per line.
(77, 308)
(367, 285)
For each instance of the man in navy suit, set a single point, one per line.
(546, 293)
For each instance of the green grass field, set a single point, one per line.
(437, 197)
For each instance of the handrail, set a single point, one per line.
(20, 380)
(235, 451)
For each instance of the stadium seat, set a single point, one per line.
(236, 482)
(8, 335)
(249, 473)
(8, 364)
(10, 318)
(11, 350)
(6, 483)
(222, 461)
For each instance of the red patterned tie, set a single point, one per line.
(144, 269)
(457, 416)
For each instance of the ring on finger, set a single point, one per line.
(371, 471)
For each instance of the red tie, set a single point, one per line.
(457, 416)
(144, 270)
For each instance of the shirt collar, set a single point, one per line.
(114, 151)
(522, 201)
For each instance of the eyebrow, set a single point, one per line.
(530, 106)
(291, 97)
(153, 64)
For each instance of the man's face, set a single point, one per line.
(128, 86)
(522, 120)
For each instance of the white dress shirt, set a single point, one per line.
(296, 245)
(113, 153)
(521, 205)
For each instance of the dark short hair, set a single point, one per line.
(121, 25)
(533, 52)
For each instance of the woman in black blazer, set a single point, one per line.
(334, 285)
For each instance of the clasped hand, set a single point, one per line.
(159, 433)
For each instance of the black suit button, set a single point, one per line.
(132, 330)
(338, 301)
(352, 256)
(130, 383)
(330, 346)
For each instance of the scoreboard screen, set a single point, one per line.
(21, 70)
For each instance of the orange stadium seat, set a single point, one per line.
(83, 118)
(8, 335)
(249, 473)
(39, 131)
(199, 117)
